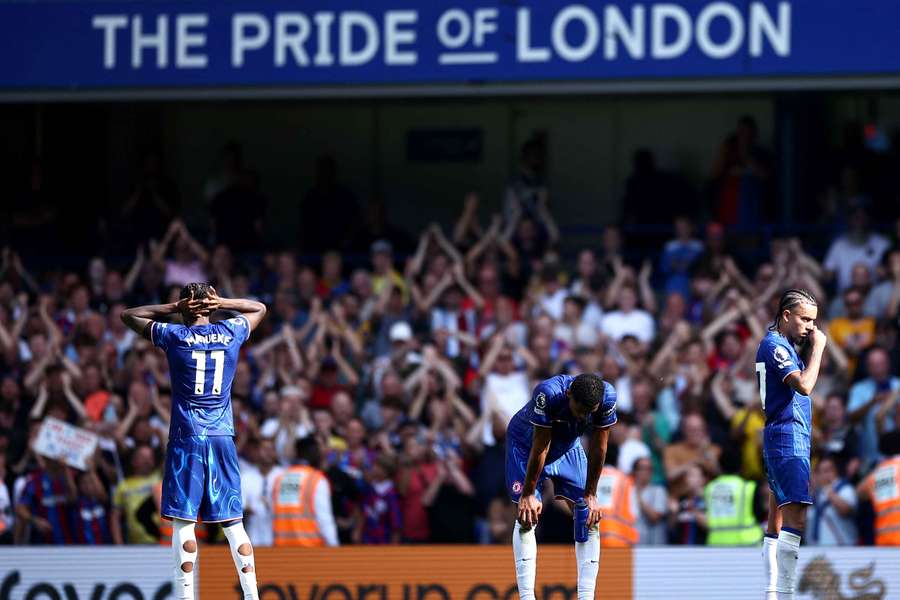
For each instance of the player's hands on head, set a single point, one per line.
(189, 305)
(594, 512)
(530, 508)
(212, 302)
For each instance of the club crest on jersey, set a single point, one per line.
(516, 487)
(541, 400)
(781, 357)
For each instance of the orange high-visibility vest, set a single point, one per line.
(885, 493)
(618, 525)
(293, 507)
(165, 524)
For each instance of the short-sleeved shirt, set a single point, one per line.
(549, 407)
(128, 497)
(788, 413)
(202, 362)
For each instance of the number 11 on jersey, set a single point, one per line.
(761, 377)
(218, 357)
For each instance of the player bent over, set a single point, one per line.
(202, 477)
(543, 440)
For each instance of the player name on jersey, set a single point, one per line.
(212, 338)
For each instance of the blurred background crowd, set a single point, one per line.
(403, 355)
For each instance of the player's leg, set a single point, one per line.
(794, 515)
(182, 493)
(793, 479)
(569, 473)
(184, 544)
(242, 554)
(770, 548)
(524, 541)
(222, 503)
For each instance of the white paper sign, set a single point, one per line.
(67, 443)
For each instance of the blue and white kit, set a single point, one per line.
(786, 439)
(202, 478)
(566, 463)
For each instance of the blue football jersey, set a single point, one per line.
(549, 407)
(202, 361)
(788, 413)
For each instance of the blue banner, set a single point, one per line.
(103, 44)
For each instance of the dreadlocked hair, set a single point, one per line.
(789, 299)
(198, 290)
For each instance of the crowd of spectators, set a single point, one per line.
(406, 369)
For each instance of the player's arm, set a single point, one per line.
(596, 458)
(138, 319)
(251, 309)
(804, 381)
(529, 504)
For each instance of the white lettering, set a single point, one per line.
(591, 36)
(524, 51)
(243, 40)
(779, 35)
(485, 23)
(443, 28)
(617, 28)
(291, 31)
(185, 40)
(394, 37)
(109, 24)
(735, 38)
(324, 57)
(157, 41)
(660, 13)
(349, 21)
(212, 338)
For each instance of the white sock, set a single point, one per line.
(525, 552)
(770, 566)
(183, 532)
(237, 537)
(788, 554)
(587, 557)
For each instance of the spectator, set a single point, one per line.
(291, 424)
(741, 177)
(730, 501)
(836, 436)
(687, 509)
(505, 388)
(677, 257)
(91, 510)
(884, 299)
(380, 521)
(417, 472)
(855, 332)
(326, 198)
(859, 245)
(294, 521)
(831, 521)
(449, 501)
(882, 488)
(628, 319)
(190, 256)
(258, 478)
(696, 450)
(865, 399)
(44, 507)
(652, 504)
(128, 497)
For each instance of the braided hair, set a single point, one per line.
(789, 299)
